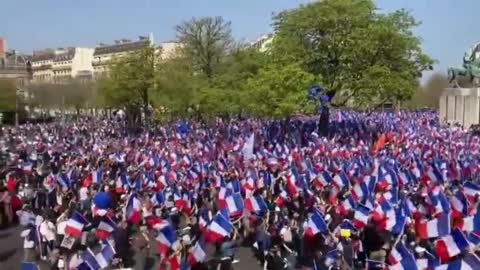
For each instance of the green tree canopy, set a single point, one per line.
(357, 51)
(205, 42)
(279, 90)
(130, 79)
(8, 95)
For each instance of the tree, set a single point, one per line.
(227, 93)
(8, 95)
(205, 41)
(129, 82)
(429, 94)
(279, 90)
(357, 51)
(177, 87)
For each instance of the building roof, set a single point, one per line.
(122, 47)
(68, 55)
(43, 55)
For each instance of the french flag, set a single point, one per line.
(470, 224)
(360, 191)
(468, 262)
(219, 228)
(394, 223)
(204, 218)
(429, 261)
(401, 258)
(459, 205)
(97, 176)
(158, 199)
(27, 168)
(105, 228)
(361, 216)
(197, 253)
(75, 224)
(346, 205)
(434, 228)
(234, 204)
(89, 261)
(435, 174)
(133, 210)
(471, 190)
(322, 180)
(121, 184)
(156, 222)
(340, 180)
(64, 180)
(474, 239)
(440, 202)
(451, 245)
(234, 186)
(316, 224)
(105, 257)
(166, 238)
(256, 204)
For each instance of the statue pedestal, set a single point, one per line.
(460, 105)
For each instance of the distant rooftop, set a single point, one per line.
(123, 45)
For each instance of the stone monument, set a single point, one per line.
(458, 104)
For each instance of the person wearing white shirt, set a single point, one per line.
(84, 197)
(48, 232)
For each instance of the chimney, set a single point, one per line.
(3, 47)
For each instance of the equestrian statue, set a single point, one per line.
(470, 69)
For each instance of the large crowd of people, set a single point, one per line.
(381, 191)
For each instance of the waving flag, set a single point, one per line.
(316, 224)
(459, 205)
(470, 223)
(340, 180)
(89, 260)
(346, 205)
(471, 190)
(234, 204)
(429, 261)
(75, 224)
(133, 210)
(256, 204)
(158, 199)
(468, 262)
(105, 257)
(167, 238)
(219, 228)
(401, 258)
(360, 191)
(361, 216)
(105, 228)
(394, 223)
(451, 245)
(437, 227)
(197, 253)
(322, 180)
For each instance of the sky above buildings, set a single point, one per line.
(449, 27)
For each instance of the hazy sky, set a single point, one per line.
(449, 26)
